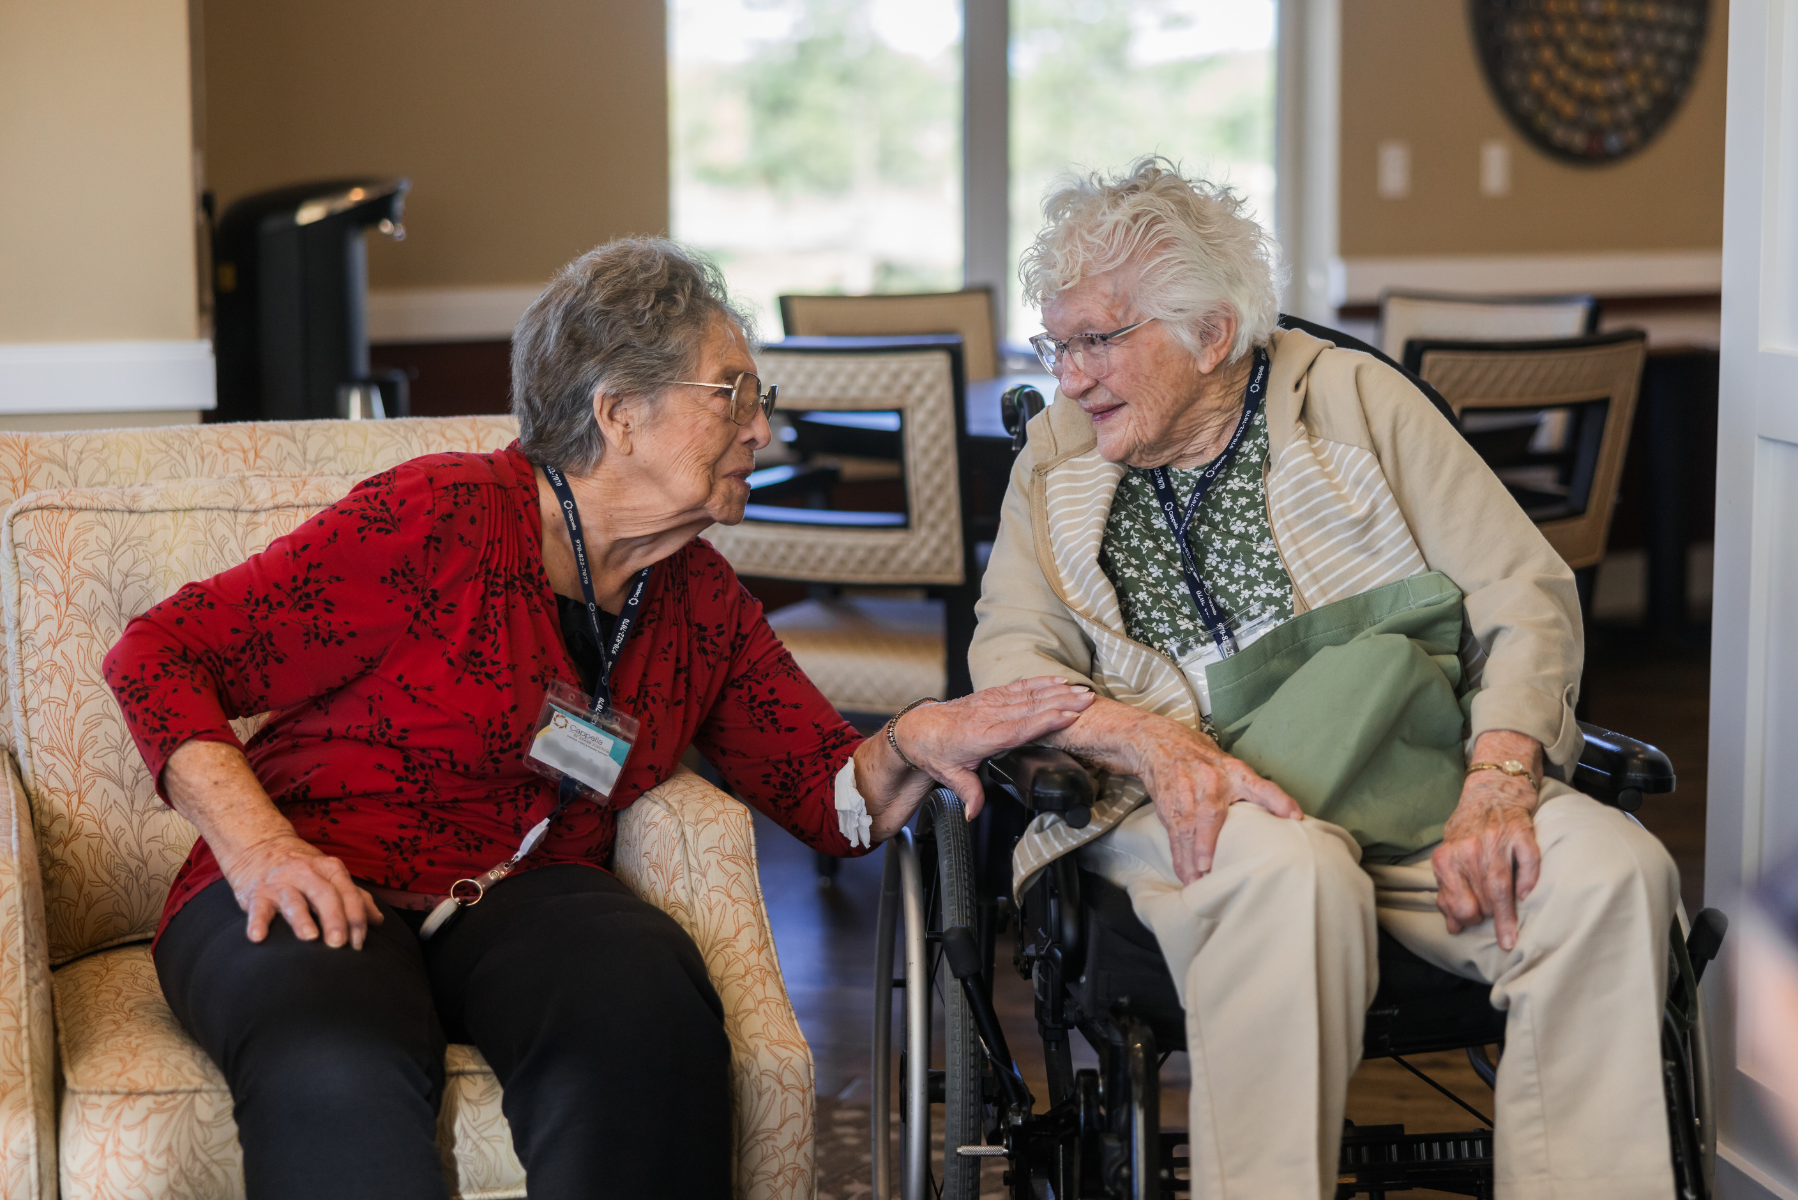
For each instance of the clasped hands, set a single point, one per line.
(1486, 865)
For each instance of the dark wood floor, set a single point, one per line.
(825, 935)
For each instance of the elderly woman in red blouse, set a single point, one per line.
(473, 662)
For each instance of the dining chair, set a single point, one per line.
(969, 313)
(1552, 417)
(890, 609)
(1406, 315)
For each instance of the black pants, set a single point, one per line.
(592, 1006)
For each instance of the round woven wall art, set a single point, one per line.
(1590, 81)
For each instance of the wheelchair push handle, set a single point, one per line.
(1043, 780)
(1018, 404)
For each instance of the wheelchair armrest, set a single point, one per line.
(1043, 780)
(1621, 771)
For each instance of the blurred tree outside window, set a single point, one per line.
(1096, 83)
(817, 144)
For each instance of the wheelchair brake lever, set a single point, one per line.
(964, 956)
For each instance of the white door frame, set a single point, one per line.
(1750, 787)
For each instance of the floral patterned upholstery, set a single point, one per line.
(122, 457)
(87, 850)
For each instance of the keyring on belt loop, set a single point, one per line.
(480, 891)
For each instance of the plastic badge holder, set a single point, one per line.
(572, 741)
(1197, 660)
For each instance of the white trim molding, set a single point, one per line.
(1307, 117)
(987, 174)
(85, 377)
(1632, 273)
(461, 314)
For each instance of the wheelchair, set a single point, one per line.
(1096, 970)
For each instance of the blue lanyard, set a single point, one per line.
(1210, 612)
(609, 654)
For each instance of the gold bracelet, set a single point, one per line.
(895, 720)
(1511, 766)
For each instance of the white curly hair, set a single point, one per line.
(1196, 252)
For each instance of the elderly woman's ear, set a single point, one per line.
(1217, 351)
(616, 416)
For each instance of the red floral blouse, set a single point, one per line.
(403, 640)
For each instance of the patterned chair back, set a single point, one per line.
(922, 382)
(102, 526)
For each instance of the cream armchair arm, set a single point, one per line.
(27, 1048)
(688, 848)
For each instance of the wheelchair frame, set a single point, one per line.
(1100, 1137)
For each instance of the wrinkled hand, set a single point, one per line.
(948, 741)
(1488, 861)
(286, 875)
(1193, 783)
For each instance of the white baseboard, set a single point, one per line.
(1665, 273)
(467, 314)
(1740, 1178)
(122, 377)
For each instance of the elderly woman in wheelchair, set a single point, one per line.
(1336, 667)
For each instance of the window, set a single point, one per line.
(1096, 83)
(817, 144)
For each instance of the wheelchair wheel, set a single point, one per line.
(1687, 1074)
(927, 886)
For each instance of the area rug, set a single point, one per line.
(841, 1148)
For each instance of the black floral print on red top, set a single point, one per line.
(403, 641)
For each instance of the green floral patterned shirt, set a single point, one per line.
(1232, 543)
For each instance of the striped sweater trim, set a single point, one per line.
(1338, 527)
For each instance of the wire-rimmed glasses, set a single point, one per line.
(1087, 351)
(746, 396)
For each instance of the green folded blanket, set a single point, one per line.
(1359, 711)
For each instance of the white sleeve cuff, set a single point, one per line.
(853, 814)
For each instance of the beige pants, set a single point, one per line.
(1274, 954)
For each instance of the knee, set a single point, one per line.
(1604, 862)
(651, 978)
(1285, 852)
(343, 1070)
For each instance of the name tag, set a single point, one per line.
(1195, 664)
(572, 741)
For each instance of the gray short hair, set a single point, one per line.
(1197, 251)
(625, 318)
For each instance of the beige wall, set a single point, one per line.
(1410, 72)
(530, 130)
(96, 172)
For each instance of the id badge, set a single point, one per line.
(1195, 664)
(572, 741)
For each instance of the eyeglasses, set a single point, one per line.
(746, 396)
(1088, 351)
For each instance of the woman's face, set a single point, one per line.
(1147, 404)
(690, 454)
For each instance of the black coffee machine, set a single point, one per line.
(290, 286)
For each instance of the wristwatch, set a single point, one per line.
(1511, 766)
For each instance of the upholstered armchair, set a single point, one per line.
(101, 1093)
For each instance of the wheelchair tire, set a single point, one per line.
(930, 886)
